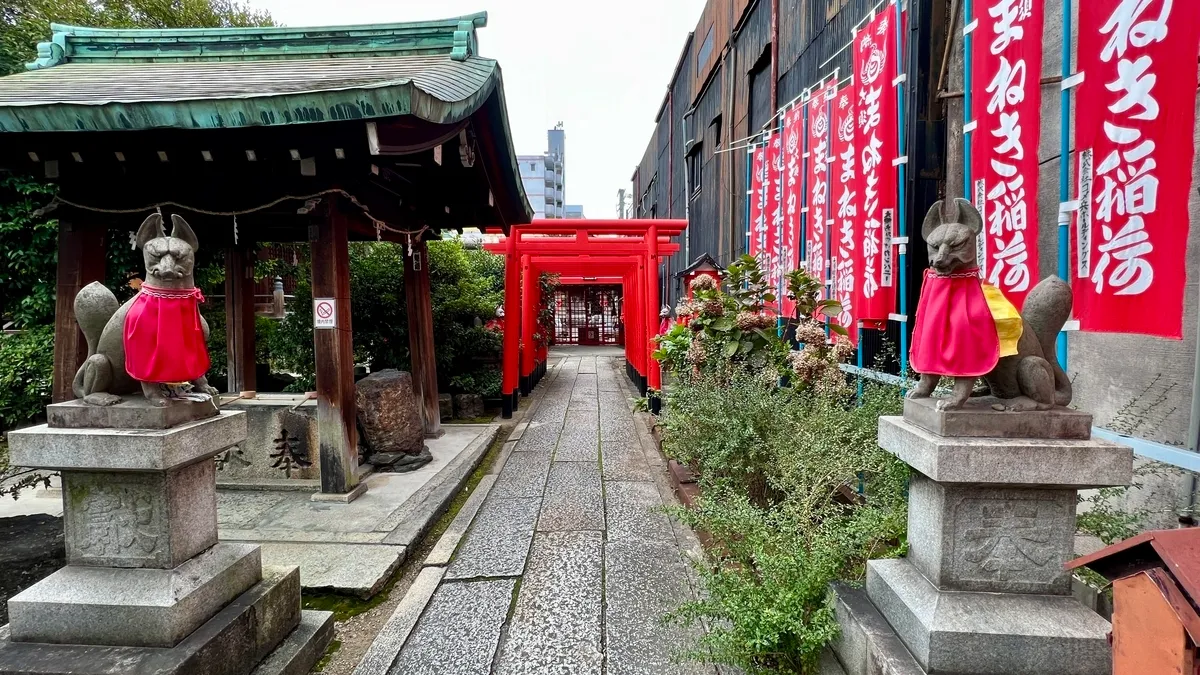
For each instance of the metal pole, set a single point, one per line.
(1064, 172)
(900, 219)
(749, 194)
(779, 262)
(967, 194)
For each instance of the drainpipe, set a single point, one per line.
(664, 283)
(774, 56)
(1193, 438)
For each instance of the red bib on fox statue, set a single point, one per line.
(164, 341)
(955, 331)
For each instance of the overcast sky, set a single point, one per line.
(599, 67)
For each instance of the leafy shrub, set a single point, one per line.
(26, 364)
(795, 494)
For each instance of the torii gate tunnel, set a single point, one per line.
(625, 250)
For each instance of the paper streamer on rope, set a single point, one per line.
(845, 263)
(1006, 105)
(1134, 138)
(874, 70)
(793, 165)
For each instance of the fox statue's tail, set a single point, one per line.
(1047, 308)
(94, 306)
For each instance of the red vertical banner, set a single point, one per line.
(875, 61)
(793, 197)
(819, 185)
(773, 208)
(1134, 140)
(845, 263)
(757, 226)
(1006, 108)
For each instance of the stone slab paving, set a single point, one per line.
(571, 524)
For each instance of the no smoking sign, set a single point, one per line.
(324, 313)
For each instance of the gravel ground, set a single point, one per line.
(31, 547)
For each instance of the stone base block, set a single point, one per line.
(1045, 463)
(991, 538)
(44, 447)
(988, 633)
(133, 607)
(341, 497)
(978, 419)
(867, 644)
(155, 519)
(262, 631)
(134, 412)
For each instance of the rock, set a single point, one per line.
(446, 406)
(398, 462)
(389, 413)
(469, 406)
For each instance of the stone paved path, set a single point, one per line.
(559, 563)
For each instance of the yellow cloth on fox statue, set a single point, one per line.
(1008, 319)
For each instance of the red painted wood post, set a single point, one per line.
(81, 261)
(337, 412)
(653, 375)
(529, 285)
(512, 323)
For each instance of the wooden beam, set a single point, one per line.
(336, 410)
(81, 260)
(239, 320)
(419, 307)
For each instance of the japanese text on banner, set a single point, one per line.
(844, 262)
(773, 174)
(874, 69)
(1006, 91)
(758, 225)
(819, 181)
(1134, 134)
(793, 193)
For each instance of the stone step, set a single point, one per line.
(233, 642)
(302, 648)
(867, 644)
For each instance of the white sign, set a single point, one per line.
(324, 313)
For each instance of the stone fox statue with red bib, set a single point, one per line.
(966, 329)
(155, 342)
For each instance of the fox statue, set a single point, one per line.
(1029, 379)
(105, 376)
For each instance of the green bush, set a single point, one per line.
(795, 494)
(463, 290)
(26, 364)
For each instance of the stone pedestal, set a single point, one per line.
(991, 523)
(147, 587)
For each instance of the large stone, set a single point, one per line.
(1045, 463)
(44, 447)
(389, 412)
(237, 640)
(573, 499)
(133, 607)
(134, 412)
(446, 407)
(988, 633)
(867, 644)
(978, 419)
(282, 441)
(140, 519)
(498, 543)
(391, 638)
(460, 629)
(470, 406)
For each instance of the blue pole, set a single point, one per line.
(1064, 173)
(860, 362)
(967, 194)
(900, 219)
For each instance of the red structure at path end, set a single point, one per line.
(629, 250)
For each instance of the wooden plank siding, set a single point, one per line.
(732, 84)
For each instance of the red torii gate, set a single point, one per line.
(629, 250)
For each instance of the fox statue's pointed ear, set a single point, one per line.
(933, 220)
(183, 231)
(968, 215)
(152, 228)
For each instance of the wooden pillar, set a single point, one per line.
(653, 375)
(529, 288)
(336, 410)
(239, 320)
(81, 260)
(512, 322)
(419, 307)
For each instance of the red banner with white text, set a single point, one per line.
(793, 193)
(819, 182)
(845, 263)
(1134, 141)
(1006, 107)
(757, 226)
(875, 62)
(773, 207)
